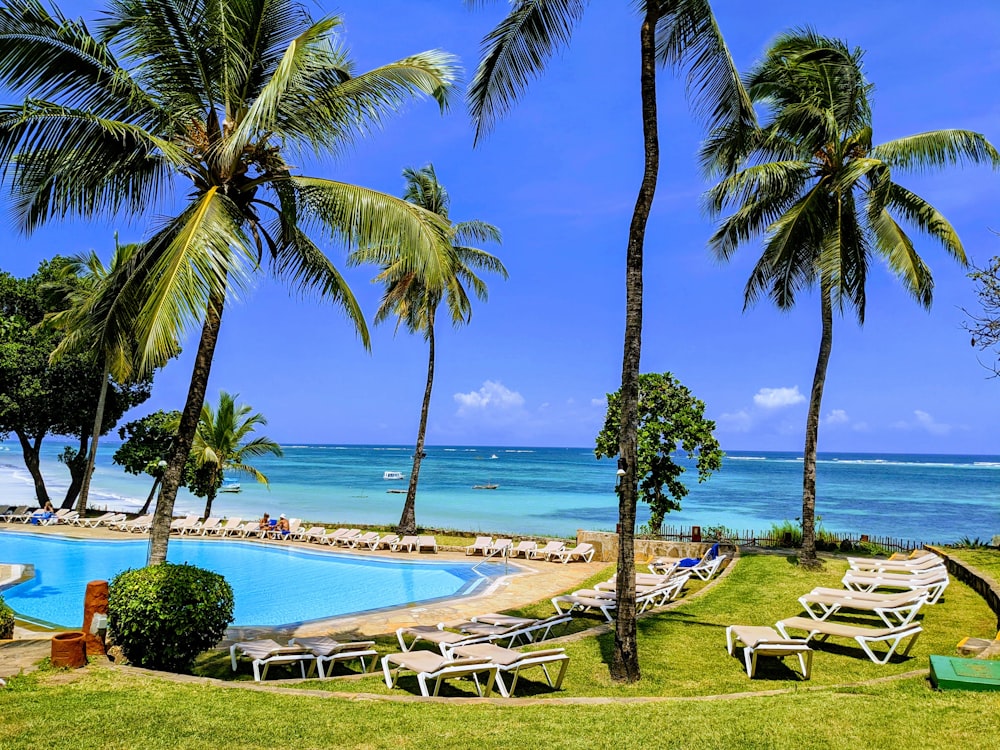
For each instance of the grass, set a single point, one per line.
(683, 658)
(986, 561)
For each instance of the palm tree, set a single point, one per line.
(823, 198)
(679, 33)
(83, 281)
(219, 445)
(414, 297)
(224, 95)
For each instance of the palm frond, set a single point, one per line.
(927, 219)
(515, 52)
(936, 149)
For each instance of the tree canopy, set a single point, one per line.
(670, 419)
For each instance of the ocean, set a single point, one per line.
(555, 491)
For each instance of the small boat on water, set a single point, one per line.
(494, 456)
(485, 486)
(393, 475)
(231, 487)
(396, 492)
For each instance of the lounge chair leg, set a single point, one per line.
(562, 673)
(502, 686)
(232, 656)
(389, 681)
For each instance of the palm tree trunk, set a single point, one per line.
(408, 520)
(209, 499)
(159, 534)
(149, 498)
(625, 659)
(32, 463)
(81, 506)
(812, 431)
(77, 466)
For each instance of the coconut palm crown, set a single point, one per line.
(810, 183)
(413, 297)
(223, 97)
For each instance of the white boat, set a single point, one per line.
(231, 487)
(393, 475)
(494, 456)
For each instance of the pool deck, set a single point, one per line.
(528, 582)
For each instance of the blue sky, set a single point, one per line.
(559, 177)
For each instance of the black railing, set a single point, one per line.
(775, 537)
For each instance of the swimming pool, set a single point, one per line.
(273, 584)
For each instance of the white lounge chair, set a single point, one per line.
(427, 542)
(583, 552)
(330, 651)
(430, 666)
(524, 547)
(605, 602)
(369, 539)
(663, 566)
(707, 566)
(481, 545)
(94, 521)
(349, 538)
(208, 526)
(313, 533)
(546, 552)
(137, 524)
(232, 527)
(765, 641)
(514, 662)
(934, 582)
(500, 547)
(894, 609)
(332, 537)
(864, 636)
(182, 525)
(386, 541)
(265, 652)
(409, 542)
(929, 561)
(20, 513)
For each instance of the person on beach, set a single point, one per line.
(283, 526)
(265, 523)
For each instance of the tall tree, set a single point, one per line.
(40, 395)
(414, 297)
(225, 96)
(221, 444)
(78, 291)
(678, 33)
(823, 198)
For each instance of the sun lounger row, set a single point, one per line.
(603, 598)
(314, 652)
(481, 629)
(371, 540)
(897, 612)
(552, 551)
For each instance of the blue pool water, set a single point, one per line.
(273, 585)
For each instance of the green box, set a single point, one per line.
(955, 673)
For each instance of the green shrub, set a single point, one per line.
(6, 620)
(164, 615)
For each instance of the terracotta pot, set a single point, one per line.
(69, 650)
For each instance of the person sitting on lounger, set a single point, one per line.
(283, 526)
(265, 522)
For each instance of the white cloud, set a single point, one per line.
(926, 421)
(778, 398)
(837, 416)
(599, 402)
(739, 421)
(494, 397)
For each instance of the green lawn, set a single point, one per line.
(986, 561)
(682, 654)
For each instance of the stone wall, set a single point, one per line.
(606, 544)
(982, 584)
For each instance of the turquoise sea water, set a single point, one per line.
(559, 490)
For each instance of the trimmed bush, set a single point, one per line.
(6, 620)
(164, 615)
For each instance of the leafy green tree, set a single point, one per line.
(670, 418)
(223, 96)
(145, 445)
(414, 297)
(39, 396)
(678, 33)
(220, 447)
(823, 198)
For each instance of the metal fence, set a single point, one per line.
(775, 538)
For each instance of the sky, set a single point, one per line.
(559, 177)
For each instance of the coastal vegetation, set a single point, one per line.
(670, 418)
(222, 96)
(221, 445)
(680, 34)
(42, 394)
(145, 443)
(413, 295)
(822, 196)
